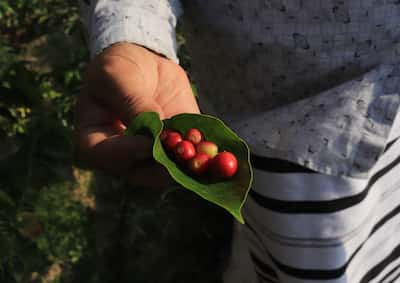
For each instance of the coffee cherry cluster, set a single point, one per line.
(197, 155)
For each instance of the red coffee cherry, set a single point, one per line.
(184, 150)
(224, 165)
(172, 139)
(164, 134)
(194, 135)
(199, 164)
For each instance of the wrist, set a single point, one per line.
(123, 58)
(130, 50)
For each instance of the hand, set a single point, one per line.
(123, 81)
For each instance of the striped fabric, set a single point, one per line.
(309, 227)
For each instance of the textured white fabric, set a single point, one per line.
(148, 23)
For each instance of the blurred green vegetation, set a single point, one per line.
(42, 222)
(47, 204)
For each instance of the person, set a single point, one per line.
(312, 86)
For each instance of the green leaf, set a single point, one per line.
(229, 194)
(147, 121)
(194, 90)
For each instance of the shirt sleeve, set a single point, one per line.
(150, 23)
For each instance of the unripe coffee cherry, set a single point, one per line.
(207, 147)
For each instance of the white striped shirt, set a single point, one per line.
(310, 227)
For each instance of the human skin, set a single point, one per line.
(121, 82)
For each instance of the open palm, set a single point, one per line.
(122, 82)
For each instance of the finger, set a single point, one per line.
(149, 174)
(100, 142)
(115, 154)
